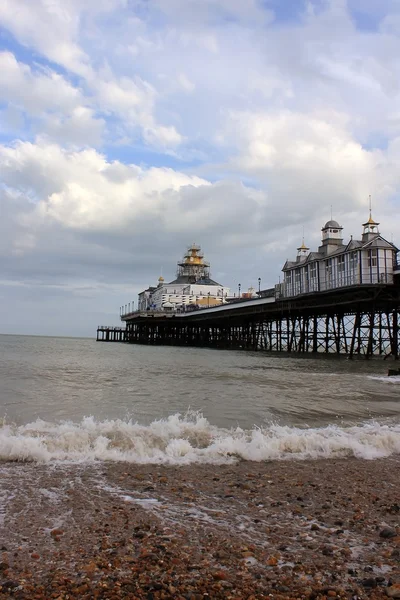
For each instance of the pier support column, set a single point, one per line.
(395, 335)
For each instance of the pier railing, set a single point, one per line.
(297, 288)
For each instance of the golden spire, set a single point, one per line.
(370, 220)
(303, 247)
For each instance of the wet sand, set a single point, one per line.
(312, 529)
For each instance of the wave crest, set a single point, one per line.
(190, 438)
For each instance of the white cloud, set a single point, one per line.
(50, 27)
(57, 107)
(133, 102)
(306, 160)
(83, 191)
(35, 92)
(79, 128)
(185, 83)
(199, 12)
(54, 29)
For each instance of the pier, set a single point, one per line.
(355, 321)
(343, 299)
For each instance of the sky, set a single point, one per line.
(131, 128)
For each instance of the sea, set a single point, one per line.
(73, 400)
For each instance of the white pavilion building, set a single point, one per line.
(367, 261)
(192, 287)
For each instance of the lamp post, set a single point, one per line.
(239, 286)
(259, 285)
(208, 300)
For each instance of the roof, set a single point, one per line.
(182, 279)
(331, 223)
(206, 281)
(188, 279)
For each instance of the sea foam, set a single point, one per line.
(386, 379)
(185, 439)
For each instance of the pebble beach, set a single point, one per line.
(248, 530)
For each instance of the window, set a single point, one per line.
(313, 271)
(373, 257)
(353, 260)
(288, 276)
(297, 275)
(328, 266)
(341, 264)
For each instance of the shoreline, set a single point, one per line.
(282, 529)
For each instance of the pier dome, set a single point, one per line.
(331, 237)
(331, 224)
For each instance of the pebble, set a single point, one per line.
(387, 533)
(393, 591)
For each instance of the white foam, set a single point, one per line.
(386, 379)
(187, 439)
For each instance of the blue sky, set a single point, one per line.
(131, 128)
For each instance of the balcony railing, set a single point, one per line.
(308, 287)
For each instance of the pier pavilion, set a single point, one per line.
(192, 287)
(335, 265)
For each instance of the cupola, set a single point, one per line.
(302, 252)
(370, 229)
(332, 237)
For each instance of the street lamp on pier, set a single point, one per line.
(259, 285)
(208, 300)
(239, 287)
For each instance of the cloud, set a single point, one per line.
(83, 191)
(54, 30)
(56, 107)
(50, 27)
(35, 92)
(310, 156)
(197, 13)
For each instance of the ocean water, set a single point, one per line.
(66, 400)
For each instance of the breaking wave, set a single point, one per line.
(185, 439)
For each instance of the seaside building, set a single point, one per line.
(192, 287)
(367, 261)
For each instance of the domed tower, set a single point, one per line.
(332, 237)
(160, 281)
(193, 267)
